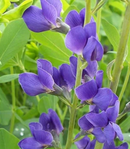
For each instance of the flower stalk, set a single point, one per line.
(88, 11)
(125, 83)
(13, 102)
(73, 109)
(121, 50)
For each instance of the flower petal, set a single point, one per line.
(49, 11)
(93, 108)
(76, 39)
(91, 145)
(29, 143)
(66, 74)
(84, 123)
(99, 78)
(57, 4)
(90, 29)
(98, 133)
(35, 126)
(81, 144)
(109, 133)
(45, 65)
(31, 84)
(46, 79)
(82, 15)
(113, 112)
(43, 137)
(73, 65)
(123, 146)
(87, 90)
(114, 99)
(45, 120)
(73, 19)
(91, 68)
(118, 131)
(97, 119)
(109, 146)
(93, 50)
(56, 76)
(103, 98)
(55, 120)
(35, 20)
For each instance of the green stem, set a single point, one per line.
(74, 106)
(121, 50)
(98, 21)
(98, 145)
(88, 12)
(125, 83)
(71, 1)
(13, 102)
(38, 98)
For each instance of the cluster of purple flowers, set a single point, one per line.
(104, 105)
(45, 133)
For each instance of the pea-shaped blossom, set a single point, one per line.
(33, 84)
(64, 76)
(51, 122)
(47, 79)
(42, 136)
(44, 19)
(83, 40)
(92, 92)
(103, 125)
(85, 143)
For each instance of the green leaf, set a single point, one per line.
(3, 96)
(126, 137)
(128, 51)
(65, 4)
(7, 140)
(117, 5)
(47, 103)
(8, 78)
(5, 112)
(13, 39)
(125, 124)
(55, 57)
(53, 47)
(17, 12)
(14, 0)
(109, 69)
(4, 4)
(112, 33)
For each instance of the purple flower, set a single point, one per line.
(40, 139)
(92, 92)
(51, 122)
(49, 79)
(44, 132)
(85, 143)
(112, 146)
(64, 77)
(102, 125)
(83, 40)
(33, 84)
(74, 18)
(44, 19)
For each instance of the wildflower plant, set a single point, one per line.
(61, 76)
